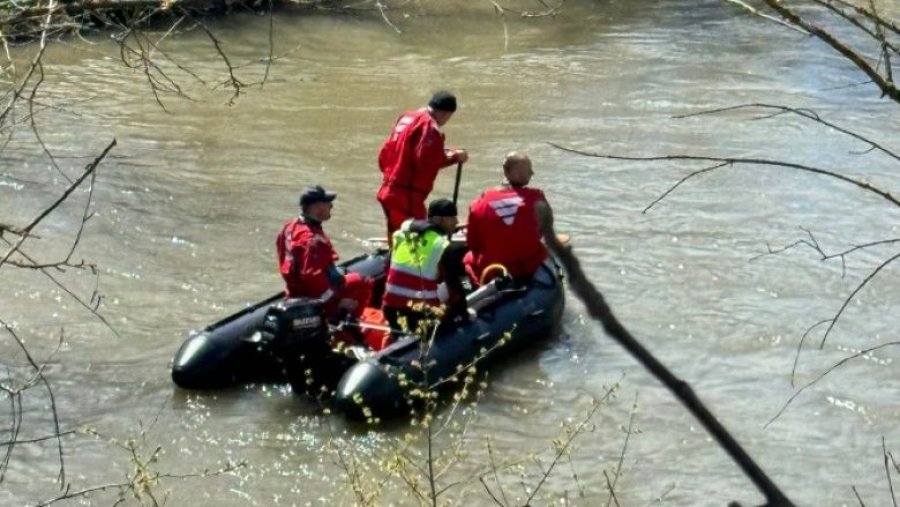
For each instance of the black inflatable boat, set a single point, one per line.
(279, 340)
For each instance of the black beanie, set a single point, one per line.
(443, 101)
(441, 208)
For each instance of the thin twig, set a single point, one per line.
(682, 180)
(610, 485)
(804, 113)
(271, 44)
(68, 291)
(800, 347)
(37, 439)
(755, 11)
(618, 471)
(887, 471)
(822, 375)
(858, 498)
(732, 161)
(493, 464)
(87, 172)
(858, 288)
(381, 9)
(575, 432)
(236, 84)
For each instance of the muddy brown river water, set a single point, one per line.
(187, 207)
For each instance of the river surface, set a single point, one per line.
(187, 207)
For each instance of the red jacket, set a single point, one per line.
(503, 229)
(305, 254)
(409, 161)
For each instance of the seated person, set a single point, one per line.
(306, 260)
(503, 228)
(422, 258)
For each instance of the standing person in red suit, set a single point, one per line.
(411, 158)
(306, 260)
(503, 228)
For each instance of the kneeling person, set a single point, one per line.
(422, 258)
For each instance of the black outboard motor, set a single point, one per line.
(297, 335)
(290, 323)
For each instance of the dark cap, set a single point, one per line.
(441, 208)
(315, 194)
(443, 101)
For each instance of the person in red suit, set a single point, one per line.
(306, 260)
(411, 158)
(503, 227)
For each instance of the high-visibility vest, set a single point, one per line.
(415, 266)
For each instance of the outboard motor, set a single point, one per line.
(291, 323)
(297, 335)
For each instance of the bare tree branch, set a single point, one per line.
(27, 229)
(232, 80)
(732, 161)
(887, 87)
(813, 244)
(68, 291)
(600, 311)
(15, 393)
(870, 15)
(805, 113)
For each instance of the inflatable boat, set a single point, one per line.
(355, 365)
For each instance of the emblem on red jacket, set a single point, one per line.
(507, 208)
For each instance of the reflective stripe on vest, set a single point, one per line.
(397, 290)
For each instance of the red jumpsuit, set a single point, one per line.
(503, 229)
(306, 258)
(409, 161)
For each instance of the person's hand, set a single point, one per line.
(461, 156)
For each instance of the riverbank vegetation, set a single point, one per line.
(35, 19)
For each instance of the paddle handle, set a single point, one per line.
(456, 185)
